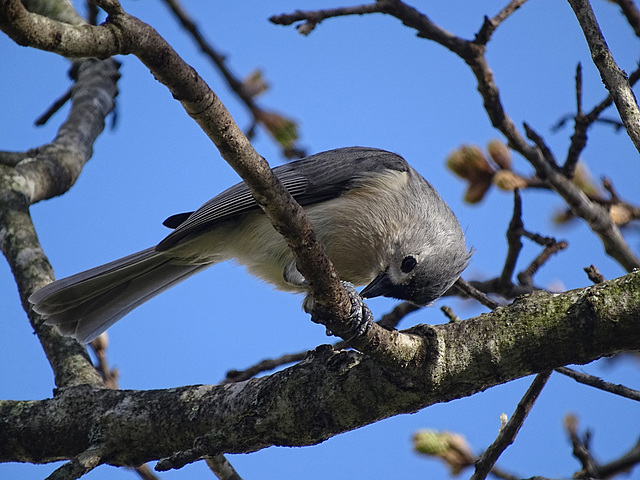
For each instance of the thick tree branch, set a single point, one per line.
(45, 172)
(330, 392)
(31, 269)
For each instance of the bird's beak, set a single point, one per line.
(379, 286)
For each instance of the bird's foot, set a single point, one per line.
(360, 316)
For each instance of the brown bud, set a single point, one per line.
(284, 130)
(452, 448)
(571, 423)
(468, 162)
(100, 343)
(254, 84)
(563, 217)
(500, 154)
(508, 180)
(582, 178)
(476, 191)
(620, 214)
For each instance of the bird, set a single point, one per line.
(380, 222)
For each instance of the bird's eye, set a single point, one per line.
(408, 264)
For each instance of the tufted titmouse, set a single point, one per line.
(381, 224)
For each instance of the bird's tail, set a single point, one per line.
(84, 305)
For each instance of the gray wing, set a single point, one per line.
(310, 180)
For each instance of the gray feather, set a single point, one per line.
(86, 304)
(312, 180)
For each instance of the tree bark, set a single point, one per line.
(330, 392)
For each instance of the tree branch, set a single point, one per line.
(613, 78)
(124, 34)
(45, 172)
(290, 150)
(322, 396)
(600, 384)
(508, 433)
(473, 53)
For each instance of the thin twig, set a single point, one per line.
(470, 291)
(632, 14)
(581, 449)
(388, 321)
(490, 24)
(264, 365)
(600, 384)
(514, 232)
(450, 314)
(594, 274)
(624, 464)
(55, 106)
(221, 468)
(392, 319)
(584, 121)
(579, 137)
(508, 433)
(544, 149)
(219, 60)
(526, 276)
(314, 17)
(598, 109)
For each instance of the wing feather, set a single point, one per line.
(313, 179)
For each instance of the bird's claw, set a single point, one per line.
(360, 316)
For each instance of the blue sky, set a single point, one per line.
(353, 81)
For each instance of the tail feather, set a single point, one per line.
(86, 304)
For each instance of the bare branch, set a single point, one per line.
(526, 277)
(32, 180)
(490, 24)
(263, 366)
(450, 314)
(581, 447)
(313, 18)
(508, 433)
(222, 469)
(600, 384)
(79, 465)
(594, 274)
(259, 114)
(470, 291)
(614, 79)
(93, 98)
(632, 14)
(322, 396)
(55, 106)
(621, 465)
(514, 233)
(584, 121)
